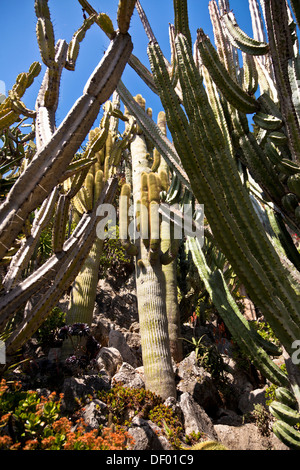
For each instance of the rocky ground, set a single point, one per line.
(220, 404)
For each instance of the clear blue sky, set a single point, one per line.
(19, 47)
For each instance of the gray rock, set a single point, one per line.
(109, 360)
(75, 388)
(198, 383)
(146, 435)
(117, 340)
(94, 414)
(128, 376)
(250, 398)
(195, 418)
(246, 437)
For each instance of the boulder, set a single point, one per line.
(195, 418)
(146, 435)
(246, 437)
(249, 399)
(128, 377)
(75, 388)
(116, 339)
(198, 383)
(108, 361)
(94, 414)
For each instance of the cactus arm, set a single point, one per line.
(234, 320)
(250, 74)
(154, 134)
(145, 21)
(294, 76)
(230, 89)
(78, 36)
(241, 39)
(25, 252)
(8, 113)
(53, 159)
(181, 21)
(47, 99)
(224, 48)
(125, 11)
(203, 186)
(281, 49)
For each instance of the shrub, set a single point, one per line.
(32, 422)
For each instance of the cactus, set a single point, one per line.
(12, 106)
(44, 171)
(42, 176)
(155, 287)
(234, 320)
(214, 131)
(203, 172)
(208, 445)
(83, 293)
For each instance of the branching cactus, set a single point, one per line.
(40, 189)
(213, 134)
(58, 146)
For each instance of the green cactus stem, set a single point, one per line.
(205, 183)
(281, 49)
(44, 171)
(234, 320)
(241, 40)
(125, 11)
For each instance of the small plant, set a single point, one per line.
(84, 344)
(264, 329)
(262, 419)
(125, 403)
(32, 422)
(208, 357)
(47, 332)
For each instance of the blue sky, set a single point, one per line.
(19, 47)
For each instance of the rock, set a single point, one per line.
(94, 414)
(172, 403)
(250, 398)
(100, 328)
(246, 437)
(109, 360)
(198, 383)
(75, 388)
(128, 377)
(116, 339)
(146, 435)
(195, 418)
(230, 417)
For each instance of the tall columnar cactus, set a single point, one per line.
(152, 282)
(213, 132)
(108, 156)
(41, 178)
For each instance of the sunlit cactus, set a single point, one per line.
(38, 190)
